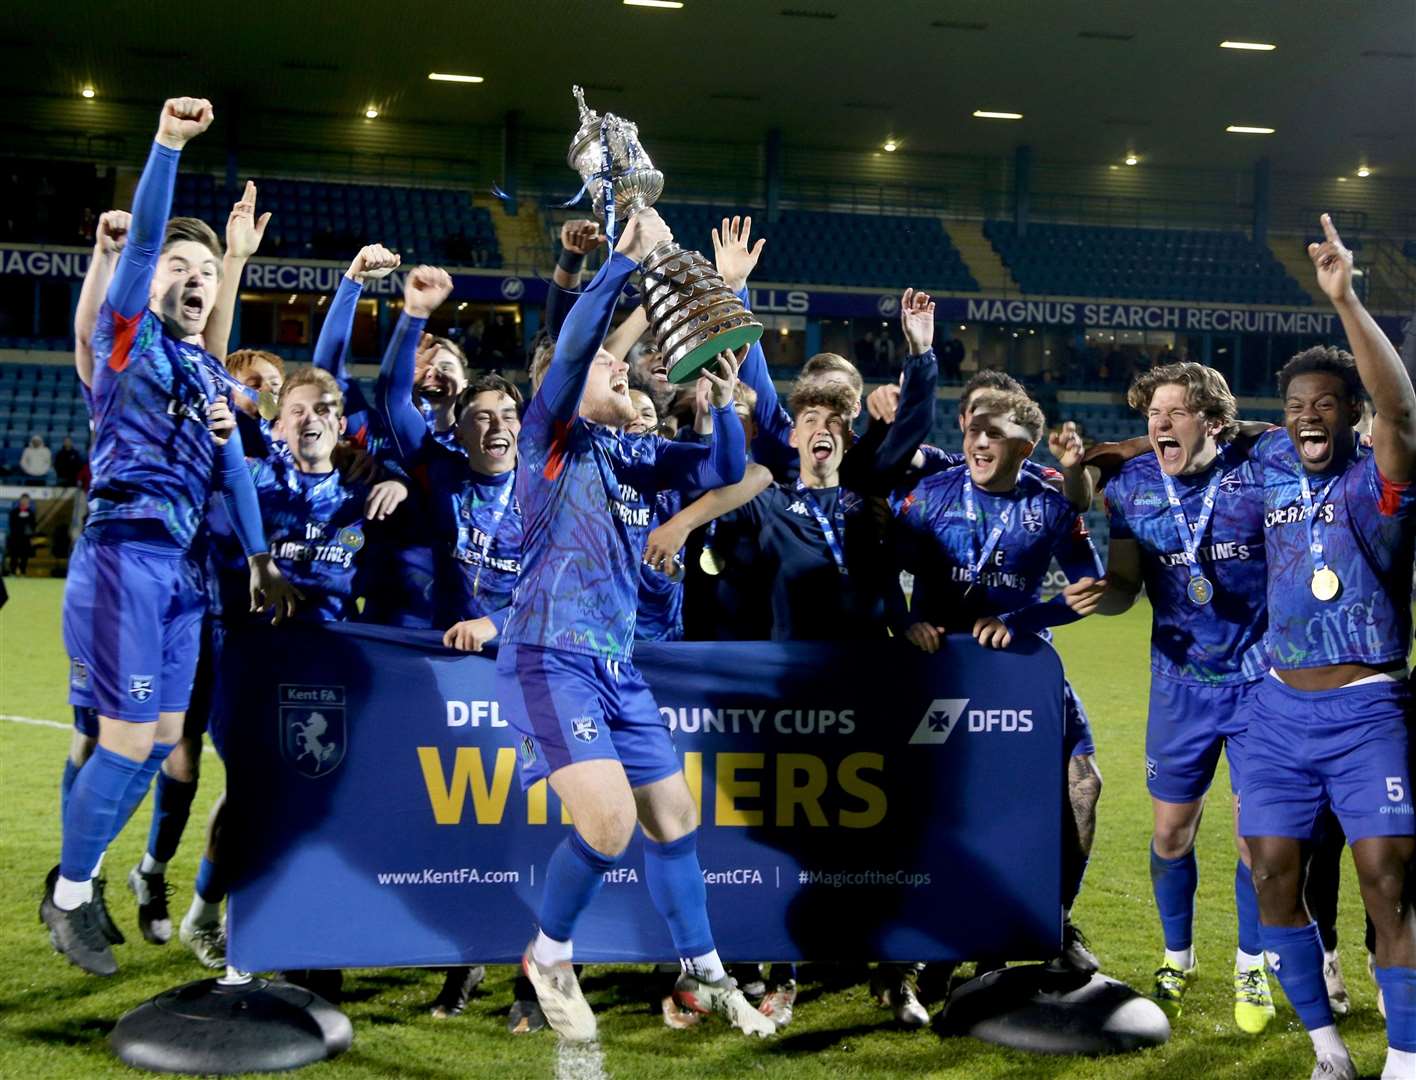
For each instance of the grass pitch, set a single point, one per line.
(54, 1019)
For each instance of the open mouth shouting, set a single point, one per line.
(497, 446)
(1313, 442)
(823, 445)
(619, 384)
(1168, 449)
(310, 436)
(193, 304)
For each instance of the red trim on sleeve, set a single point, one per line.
(555, 461)
(1389, 500)
(125, 332)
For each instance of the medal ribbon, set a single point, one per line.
(1190, 540)
(980, 558)
(833, 535)
(1312, 505)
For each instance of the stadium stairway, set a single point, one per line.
(1291, 251)
(521, 237)
(980, 258)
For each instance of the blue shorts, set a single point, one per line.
(568, 707)
(1188, 725)
(1347, 747)
(132, 627)
(1076, 728)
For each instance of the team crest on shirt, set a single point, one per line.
(585, 729)
(1031, 521)
(78, 675)
(351, 538)
(140, 688)
(313, 735)
(1230, 483)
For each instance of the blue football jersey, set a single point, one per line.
(1364, 522)
(152, 455)
(1221, 641)
(660, 616)
(938, 543)
(587, 494)
(315, 525)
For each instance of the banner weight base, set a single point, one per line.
(227, 1026)
(1030, 1008)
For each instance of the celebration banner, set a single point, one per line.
(858, 801)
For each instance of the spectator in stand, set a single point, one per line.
(18, 547)
(67, 463)
(36, 459)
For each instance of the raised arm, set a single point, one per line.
(332, 346)
(1378, 363)
(426, 288)
(1079, 561)
(108, 241)
(685, 466)
(182, 119)
(558, 398)
(875, 469)
(578, 239)
(1077, 483)
(244, 232)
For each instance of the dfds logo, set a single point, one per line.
(944, 714)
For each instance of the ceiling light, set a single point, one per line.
(1131, 159)
(441, 76)
(1251, 46)
(1113, 168)
(462, 306)
(1342, 179)
(962, 326)
(985, 114)
(87, 92)
(292, 299)
(890, 146)
(371, 113)
(1364, 171)
(653, 3)
(1241, 129)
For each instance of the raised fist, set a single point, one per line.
(373, 262)
(644, 232)
(244, 230)
(112, 231)
(581, 237)
(182, 120)
(425, 290)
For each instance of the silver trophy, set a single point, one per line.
(693, 314)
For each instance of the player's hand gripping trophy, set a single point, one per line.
(694, 316)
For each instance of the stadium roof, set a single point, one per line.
(1092, 78)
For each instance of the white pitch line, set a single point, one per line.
(35, 721)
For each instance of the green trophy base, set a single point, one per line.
(691, 363)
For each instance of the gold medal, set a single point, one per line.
(267, 405)
(710, 562)
(1325, 584)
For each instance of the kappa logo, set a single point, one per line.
(140, 688)
(584, 728)
(939, 721)
(798, 507)
(313, 736)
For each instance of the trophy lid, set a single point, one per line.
(589, 126)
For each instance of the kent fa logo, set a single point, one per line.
(313, 737)
(140, 688)
(584, 728)
(939, 720)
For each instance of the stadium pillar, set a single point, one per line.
(511, 137)
(813, 337)
(1263, 198)
(1022, 188)
(773, 179)
(1238, 373)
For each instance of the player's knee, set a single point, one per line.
(608, 828)
(1171, 840)
(81, 748)
(132, 740)
(184, 763)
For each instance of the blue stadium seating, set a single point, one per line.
(1154, 264)
(39, 399)
(827, 248)
(323, 220)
